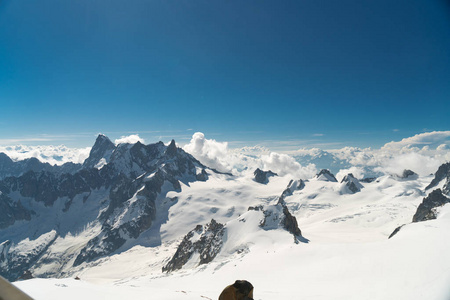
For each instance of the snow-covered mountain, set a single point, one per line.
(117, 194)
(141, 219)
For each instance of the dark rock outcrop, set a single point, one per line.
(368, 179)
(122, 190)
(202, 176)
(351, 184)
(407, 175)
(11, 212)
(207, 245)
(102, 149)
(279, 215)
(291, 187)
(442, 173)
(326, 175)
(263, 176)
(426, 210)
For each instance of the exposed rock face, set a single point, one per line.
(206, 241)
(442, 173)
(15, 260)
(368, 179)
(202, 176)
(291, 187)
(276, 216)
(100, 153)
(350, 184)
(123, 184)
(263, 176)
(407, 175)
(426, 210)
(326, 175)
(11, 212)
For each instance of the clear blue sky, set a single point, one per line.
(316, 71)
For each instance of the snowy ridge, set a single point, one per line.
(150, 208)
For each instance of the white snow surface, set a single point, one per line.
(348, 256)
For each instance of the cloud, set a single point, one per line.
(283, 164)
(432, 139)
(209, 152)
(130, 139)
(245, 160)
(54, 155)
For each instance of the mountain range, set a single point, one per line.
(75, 220)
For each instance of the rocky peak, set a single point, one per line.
(442, 173)
(263, 176)
(350, 184)
(171, 150)
(100, 152)
(427, 209)
(326, 175)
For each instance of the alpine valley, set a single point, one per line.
(137, 221)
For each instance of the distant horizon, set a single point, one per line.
(87, 140)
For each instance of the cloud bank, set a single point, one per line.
(244, 161)
(54, 155)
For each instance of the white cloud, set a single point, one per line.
(432, 139)
(54, 155)
(283, 164)
(244, 161)
(130, 139)
(209, 152)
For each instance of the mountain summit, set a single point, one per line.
(118, 194)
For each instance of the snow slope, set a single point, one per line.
(348, 256)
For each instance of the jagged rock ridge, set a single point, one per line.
(126, 180)
(206, 241)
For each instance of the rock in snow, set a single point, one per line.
(326, 175)
(263, 176)
(205, 241)
(350, 184)
(119, 186)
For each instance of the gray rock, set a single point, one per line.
(408, 175)
(351, 184)
(207, 246)
(263, 176)
(102, 149)
(426, 210)
(442, 173)
(326, 175)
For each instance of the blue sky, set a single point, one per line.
(305, 73)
